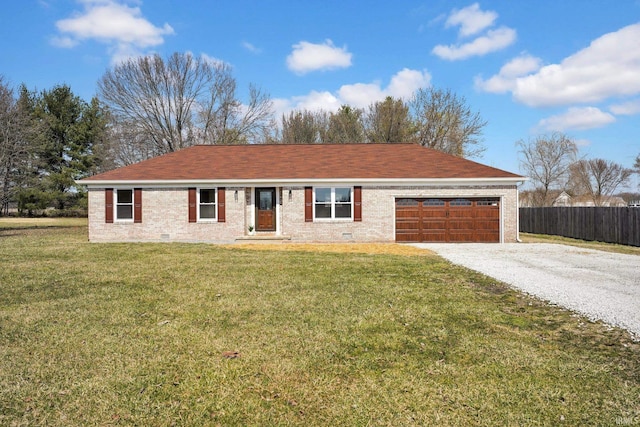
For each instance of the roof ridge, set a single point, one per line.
(311, 144)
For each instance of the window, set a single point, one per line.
(407, 202)
(333, 203)
(460, 202)
(207, 204)
(124, 205)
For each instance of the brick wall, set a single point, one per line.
(378, 213)
(165, 215)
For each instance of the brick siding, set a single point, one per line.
(165, 215)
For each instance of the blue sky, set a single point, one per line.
(529, 67)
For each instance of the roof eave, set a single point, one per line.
(491, 181)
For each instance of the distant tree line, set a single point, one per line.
(434, 118)
(48, 139)
(551, 162)
(149, 106)
(159, 105)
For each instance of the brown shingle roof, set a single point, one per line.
(317, 161)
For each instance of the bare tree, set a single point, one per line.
(443, 121)
(165, 105)
(600, 178)
(546, 160)
(126, 144)
(388, 121)
(225, 120)
(636, 167)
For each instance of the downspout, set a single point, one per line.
(518, 212)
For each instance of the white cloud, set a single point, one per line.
(121, 27)
(405, 82)
(360, 95)
(505, 80)
(314, 101)
(493, 40)
(308, 57)
(471, 19)
(251, 48)
(402, 85)
(628, 108)
(577, 119)
(608, 67)
(474, 21)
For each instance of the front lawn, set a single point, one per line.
(194, 334)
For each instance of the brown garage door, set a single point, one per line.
(448, 220)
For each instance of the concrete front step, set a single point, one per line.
(263, 238)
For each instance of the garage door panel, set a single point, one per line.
(488, 237)
(430, 213)
(461, 224)
(438, 224)
(462, 236)
(484, 225)
(460, 213)
(448, 220)
(403, 236)
(487, 213)
(408, 226)
(407, 213)
(434, 236)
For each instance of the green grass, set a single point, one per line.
(601, 246)
(138, 334)
(45, 222)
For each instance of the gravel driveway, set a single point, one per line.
(600, 285)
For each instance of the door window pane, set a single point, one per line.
(266, 200)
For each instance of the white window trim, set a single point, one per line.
(116, 204)
(333, 204)
(215, 203)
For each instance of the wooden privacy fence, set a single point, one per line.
(603, 224)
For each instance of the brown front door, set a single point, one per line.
(265, 209)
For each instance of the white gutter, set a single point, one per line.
(518, 210)
(300, 182)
